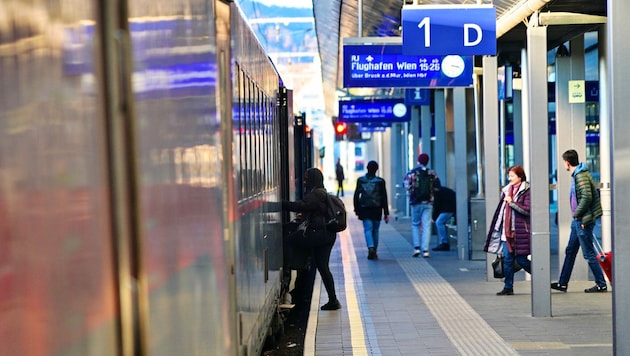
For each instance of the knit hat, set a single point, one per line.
(423, 159)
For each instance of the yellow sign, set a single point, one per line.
(577, 91)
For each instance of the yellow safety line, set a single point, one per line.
(348, 258)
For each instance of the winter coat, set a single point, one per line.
(589, 207)
(444, 201)
(520, 218)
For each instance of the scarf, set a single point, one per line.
(508, 228)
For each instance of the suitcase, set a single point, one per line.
(604, 258)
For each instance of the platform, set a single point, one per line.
(401, 305)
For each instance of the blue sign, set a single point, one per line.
(464, 30)
(384, 65)
(417, 96)
(373, 110)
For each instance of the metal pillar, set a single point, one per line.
(425, 122)
(538, 163)
(604, 139)
(461, 171)
(442, 139)
(414, 131)
(439, 149)
(570, 123)
(618, 50)
(397, 193)
(492, 170)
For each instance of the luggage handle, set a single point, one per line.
(598, 248)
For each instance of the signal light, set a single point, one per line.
(340, 131)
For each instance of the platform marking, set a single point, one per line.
(348, 258)
(466, 329)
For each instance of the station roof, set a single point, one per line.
(338, 19)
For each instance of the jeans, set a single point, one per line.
(581, 238)
(440, 223)
(508, 266)
(370, 229)
(421, 214)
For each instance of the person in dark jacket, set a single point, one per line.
(370, 204)
(586, 209)
(313, 208)
(340, 176)
(443, 210)
(511, 223)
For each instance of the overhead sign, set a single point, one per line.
(417, 96)
(373, 110)
(384, 65)
(449, 29)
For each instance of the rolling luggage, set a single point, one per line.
(604, 258)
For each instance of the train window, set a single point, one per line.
(270, 139)
(238, 128)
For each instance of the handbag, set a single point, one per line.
(497, 267)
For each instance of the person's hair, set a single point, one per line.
(519, 171)
(372, 166)
(571, 156)
(423, 159)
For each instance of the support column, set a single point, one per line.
(442, 139)
(439, 149)
(461, 171)
(517, 120)
(604, 140)
(618, 49)
(414, 131)
(537, 156)
(490, 130)
(570, 134)
(425, 122)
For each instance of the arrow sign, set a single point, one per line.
(449, 29)
(577, 92)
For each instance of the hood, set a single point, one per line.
(580, 168)
(314, 179)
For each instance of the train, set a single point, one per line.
(140, 142)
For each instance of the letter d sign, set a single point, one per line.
(479, 34)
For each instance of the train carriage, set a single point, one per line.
(139, 143)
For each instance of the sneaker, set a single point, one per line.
(596, 289)
(416, 252)
(332, 305)
(506, 291)
(557, 286)
(442, 247)
(425, 254)
(372, 253)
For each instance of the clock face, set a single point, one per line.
(453, 66)
(400, 110)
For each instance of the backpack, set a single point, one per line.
(336, 217)
(371, 194)
(422, 185)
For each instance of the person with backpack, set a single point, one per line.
(314, 209)
(420, 182)
(370, 204)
